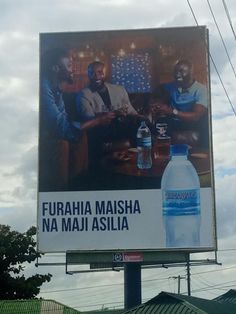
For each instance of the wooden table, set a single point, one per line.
(126, 167)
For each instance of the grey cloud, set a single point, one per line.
(84, 15)
(27, 169)
(218, 52)
(20, 217)
(225, 199)
(18, 54)
(19, 131)
(224, 141)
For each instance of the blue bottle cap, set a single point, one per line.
(179, 150)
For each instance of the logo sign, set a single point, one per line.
(133, 257)
(128, 257)
(118, 257)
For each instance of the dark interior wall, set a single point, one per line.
(164, 46)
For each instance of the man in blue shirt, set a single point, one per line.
(56, 68)
(56, 128)
(188, 101)
(187, 96)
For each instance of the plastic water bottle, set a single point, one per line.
(181, 200)
(144, 146)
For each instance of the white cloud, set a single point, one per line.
(224, 142)
(225, 196)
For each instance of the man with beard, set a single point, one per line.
(56, 128)
(56, 68)
(187, 105)
(102, 98)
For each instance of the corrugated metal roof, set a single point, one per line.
(179, 304)
(34, 306)
(228, 297)
(163, 303)
(105, 312)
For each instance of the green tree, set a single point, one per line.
(15, 250)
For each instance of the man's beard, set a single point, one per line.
(70, 80)
(97, 85)
(67, 77)
(183, 81)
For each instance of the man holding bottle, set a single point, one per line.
(187, 106)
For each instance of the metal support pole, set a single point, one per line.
(188, 276)
(179, 279)
(179, 284)
(132, 285)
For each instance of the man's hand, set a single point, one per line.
(105, 118)
(161, 109)
(122, 111)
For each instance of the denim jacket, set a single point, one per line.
(54, 121)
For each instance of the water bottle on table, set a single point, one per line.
(181, 200)
(144, 147)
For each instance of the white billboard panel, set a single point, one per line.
(110, 221)
(125, 151)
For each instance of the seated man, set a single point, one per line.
(56, 129)
(102, 99)
(100, 96)
(187, 108)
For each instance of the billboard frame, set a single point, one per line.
(146, 250)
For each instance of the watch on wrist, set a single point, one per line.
(175, 112)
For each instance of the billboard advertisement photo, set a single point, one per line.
(125, 149)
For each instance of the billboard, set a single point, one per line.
(125, 150)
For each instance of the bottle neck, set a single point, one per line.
(179, 157)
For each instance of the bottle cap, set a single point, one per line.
(179, 150)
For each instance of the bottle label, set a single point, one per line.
(181, 202)
(144, 142)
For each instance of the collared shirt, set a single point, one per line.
(184, 99)
(54, 121)
(89, 102)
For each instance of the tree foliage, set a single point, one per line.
(17, 249)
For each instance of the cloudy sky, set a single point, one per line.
(21, 21)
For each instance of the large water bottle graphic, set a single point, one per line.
(181, 200)
(144, 147)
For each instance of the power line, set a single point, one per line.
(214, 64)
(216, 286)
(100, 286)
(204, 281)
(211, 271)
(226, 93)
(209, 287)
(191, 9)
(98, 304)
(199, 285)
(223, 42)
(229, 19)
(118, 284)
